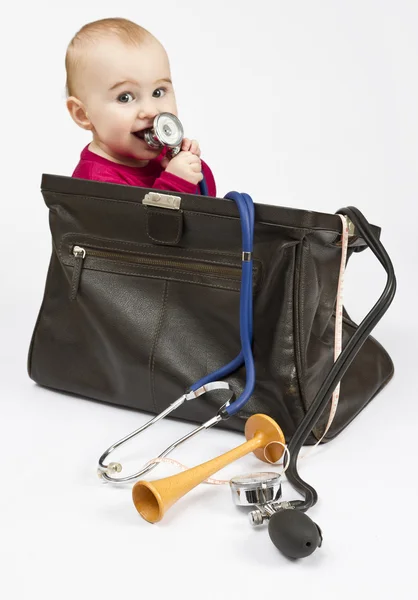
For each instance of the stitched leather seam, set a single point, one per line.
(153, 267)
(89, 268)
(152, 254)
(256, 285)
(152, 354)
(167, 278)
(75, 279)
(166, 217)
(190, 213)
(31, 352)
(298, 324)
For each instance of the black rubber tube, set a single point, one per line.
(343, 362)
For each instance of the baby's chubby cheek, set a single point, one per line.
(118, 136)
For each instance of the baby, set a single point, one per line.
(118, 80)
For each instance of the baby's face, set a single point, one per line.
(123, 88)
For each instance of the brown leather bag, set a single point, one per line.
(140, 302)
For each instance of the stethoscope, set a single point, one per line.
(168, 131)
(289, 526)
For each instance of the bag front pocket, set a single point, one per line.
(145, 323)
(176, 264)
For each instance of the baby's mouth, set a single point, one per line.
(139, 134)
(150, 142)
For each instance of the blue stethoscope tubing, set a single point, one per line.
(245, 206)
(203, 188)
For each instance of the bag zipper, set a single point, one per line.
(81, 252)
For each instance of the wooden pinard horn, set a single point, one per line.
(153, 498)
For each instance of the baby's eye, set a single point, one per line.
(163, 90)
(122, 97)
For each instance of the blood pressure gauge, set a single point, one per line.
(256, 488)
(168, 131)
(290, 530)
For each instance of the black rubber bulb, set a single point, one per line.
(294, 533)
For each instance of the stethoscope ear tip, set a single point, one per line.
(109, 470)
(294, 533)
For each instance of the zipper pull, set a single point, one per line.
(79, 254)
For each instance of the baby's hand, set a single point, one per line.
(191, 146)
(186, 165)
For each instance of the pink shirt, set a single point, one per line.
(93, 166)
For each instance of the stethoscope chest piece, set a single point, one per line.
(167, 130)
(256, 488)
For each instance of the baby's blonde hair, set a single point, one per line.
(127, 31)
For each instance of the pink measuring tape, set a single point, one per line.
(338, 326)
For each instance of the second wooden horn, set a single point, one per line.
(153, 498)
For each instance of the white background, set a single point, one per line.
(305, 104)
